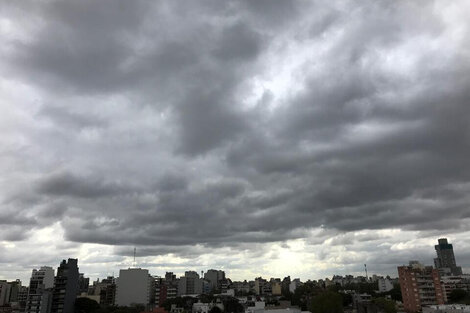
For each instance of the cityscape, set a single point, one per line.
(234, 156)
(441, 287)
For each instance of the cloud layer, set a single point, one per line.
(234, 132)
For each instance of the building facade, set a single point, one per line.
(190, 284)
(39, 298)
(445, 260)
(420, 286)
(65, 289)
(133, 287)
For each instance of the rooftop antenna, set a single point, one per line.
(365, 267)
(134, 258)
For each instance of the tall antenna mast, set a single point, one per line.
(365, 267)
(134, 258)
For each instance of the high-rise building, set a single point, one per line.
(83, 283)
(15, 288)
(445, 260)
(384, 284)
(65, 287)
(190, 284)
(39, 298)
(215, 278)
(5, 289)
(420, 286)
(133, 286)
(108, 291)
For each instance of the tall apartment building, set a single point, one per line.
(83, 283)
(420, 286)
(190, 284)
(294, 284)
(165, 288)
(450, 283)
(133, 286)
(39, 298)
(5, 289)
(384, 284)
(65, 287)
(215, 278)
(445, 260)
(108, 291)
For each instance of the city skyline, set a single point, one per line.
(258, 137)
(136, 265)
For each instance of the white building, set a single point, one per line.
(133, 287)
(294, 284)
(385, 284)
(447, 308)
(40, 296)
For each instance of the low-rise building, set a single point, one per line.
(447, 308)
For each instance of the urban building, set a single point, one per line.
(275, 286)
(190, 284)
(39, 298)
(294, 284)
(384, 284)
(420, 286)
(261, 286)
(133, 286)
(214, 277)
(445, 260)
(5, 290)
(83, 283)
(450, 283)
(23, 296)
(108, 291)
(65, 288)
(15, 287)
(448, 308)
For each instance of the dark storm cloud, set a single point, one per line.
(68, 184)
(158, 124)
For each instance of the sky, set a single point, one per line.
(264, 138)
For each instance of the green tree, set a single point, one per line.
(347, 299)
(458, 296)
(395, 293)
(86, 305)
(386, 305)
(215, 309)
(327, 302)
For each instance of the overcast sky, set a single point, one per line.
(259, 137)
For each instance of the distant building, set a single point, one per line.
(133, 286)
(83, 283)
(276, 287)
(214, 277)
(65, 287)
(445, 260)
(190, 284)
(261, 286)
(420, 286)
(294, 284)
(39, 298)
(5, 289)
(108, 291)
(15, 289)
(23, 296)
(450, 283)
(384, 284)
(448, 308)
